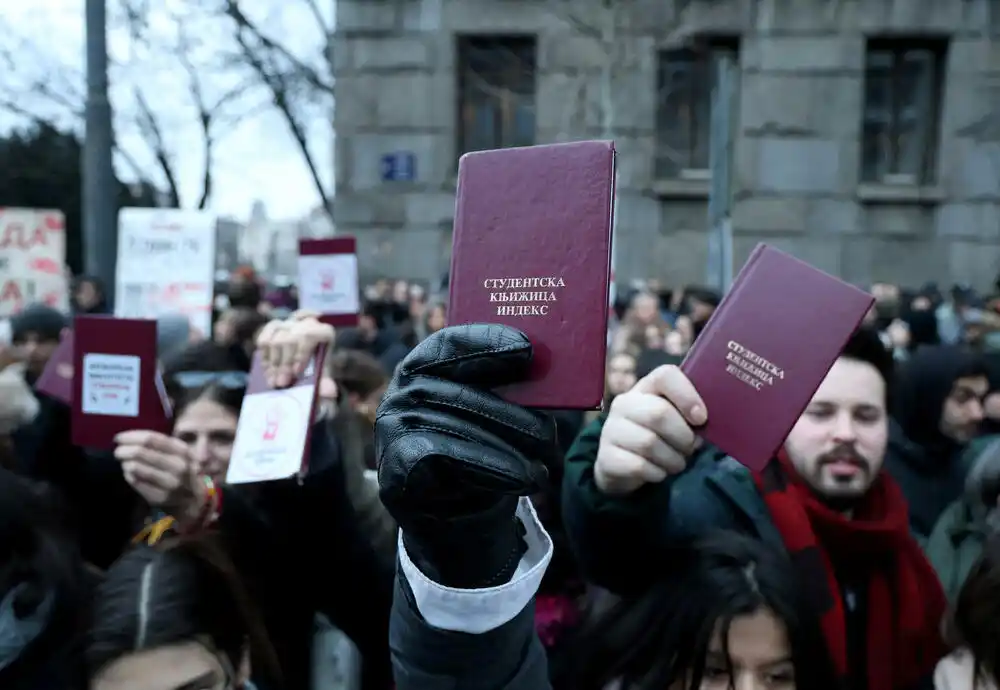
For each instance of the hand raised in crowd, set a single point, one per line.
(649, 433)
(454, 457)
(286, 346)
(9, 354)
(161, 470)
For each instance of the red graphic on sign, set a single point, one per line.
(45, 265)
(326, 281)
(272, 420)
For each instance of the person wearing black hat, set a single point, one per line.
(35, 332)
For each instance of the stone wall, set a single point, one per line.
(796, 148)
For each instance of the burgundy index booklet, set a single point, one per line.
(766, 350)
(115, 380)
(532, 249)
(56, 380)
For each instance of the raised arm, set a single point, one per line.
(455, 465)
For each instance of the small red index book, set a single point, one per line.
(328, 279)
(532, 249)
(766, 350)
(275, 426)
(56, 380)
(114, 382)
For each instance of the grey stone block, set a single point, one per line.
(395, 52)
(802, 105)
(969, 221)
(837, 53)
(798, 166)
(434, 209)
(906, 221)
(771, 215)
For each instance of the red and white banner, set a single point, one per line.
(32, 260)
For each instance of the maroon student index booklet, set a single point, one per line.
(766, 350)
(115, 384)
(532, 249)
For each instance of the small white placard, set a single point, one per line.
(111, 385)
(328, 283)
(271, 435)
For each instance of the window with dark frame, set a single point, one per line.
(684, 82)
(903, 87)
(496, 92)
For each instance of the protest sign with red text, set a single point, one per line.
(32, 259)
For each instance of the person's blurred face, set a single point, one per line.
(224, 331)
(401, 292)
(654, 337)
(685, 327)
(838, 443)
(368, 405)
(621, 374)
(209, 430)
(87, 295)
(35, 350)
(962, 411)
(700, 311)
(920, 303)
(755, 655)
(674, 343)
(437, 319)
(646, 308)
(181, 666)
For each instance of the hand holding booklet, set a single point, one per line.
(766, 350)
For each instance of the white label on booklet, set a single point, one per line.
(329, 283)
(111, 385)
(271, 436)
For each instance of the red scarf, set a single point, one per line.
(905, 601)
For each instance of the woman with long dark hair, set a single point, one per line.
(730, 614)
(974, 628)
(268, 529)
(176, 616)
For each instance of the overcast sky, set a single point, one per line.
(256, 159)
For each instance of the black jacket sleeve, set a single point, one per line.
(305, 551)
(510, 657)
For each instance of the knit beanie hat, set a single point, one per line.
(47, 323)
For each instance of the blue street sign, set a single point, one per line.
(399, 166)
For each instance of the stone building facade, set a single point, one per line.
(865, 133)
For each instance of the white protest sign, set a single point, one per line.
(166, 265)
(32, 259)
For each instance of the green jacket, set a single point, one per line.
(623, 543)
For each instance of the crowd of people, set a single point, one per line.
(463, 542)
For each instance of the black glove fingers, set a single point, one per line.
(435, 466)
(480, 355)
(531, 431)
(516, 467)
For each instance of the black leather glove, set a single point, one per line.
(453, 457)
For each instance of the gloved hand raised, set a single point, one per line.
(454, 457)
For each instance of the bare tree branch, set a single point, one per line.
(153, 135)
(247, 28)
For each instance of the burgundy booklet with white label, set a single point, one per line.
(273, 434)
